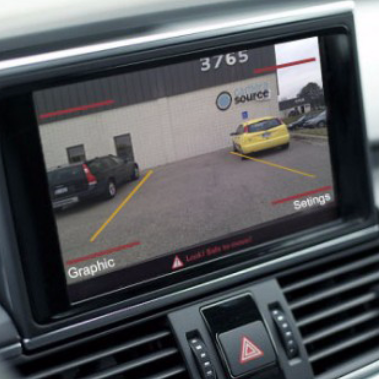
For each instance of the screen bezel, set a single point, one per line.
(44, 272)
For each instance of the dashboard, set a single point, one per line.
(189, 190)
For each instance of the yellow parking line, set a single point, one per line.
(274, 165)
(126, 200)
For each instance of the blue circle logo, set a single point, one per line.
(224, 101)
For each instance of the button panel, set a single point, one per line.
(285, 332)
(202, 358)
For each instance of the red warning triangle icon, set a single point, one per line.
(249, 351)
(177, 263)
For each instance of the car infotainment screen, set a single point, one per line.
(154, 171)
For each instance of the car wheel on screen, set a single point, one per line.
(235, 150)
(111, 191)
(286, 146)
(321, 124)
(136, 172)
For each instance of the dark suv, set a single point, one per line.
(95, 178)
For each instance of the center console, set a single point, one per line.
(183, 180)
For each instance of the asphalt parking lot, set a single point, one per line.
(195, 200)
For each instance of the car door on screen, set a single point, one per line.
(125, 167)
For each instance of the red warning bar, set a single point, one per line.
(76, 109)
(102, 253)
(300, 195)
(284, 65)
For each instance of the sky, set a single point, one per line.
(293, 79)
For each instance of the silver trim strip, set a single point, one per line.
(11, 351)
(370, 371)
(250, 22)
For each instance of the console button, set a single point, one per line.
(286, 334)
(247, 349)
(201, 355)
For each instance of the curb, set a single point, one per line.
(308, 136)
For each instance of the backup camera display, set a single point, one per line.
(154, 171)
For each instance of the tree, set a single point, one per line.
(311, 90)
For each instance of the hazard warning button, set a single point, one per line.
(247, 349)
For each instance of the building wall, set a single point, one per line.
(146, 84)
(163, 130)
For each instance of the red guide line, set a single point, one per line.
(76, 109)
(104, 252)
(304, 194)
(284, 65)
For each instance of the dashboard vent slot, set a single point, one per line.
(335, 305)
(144, 351)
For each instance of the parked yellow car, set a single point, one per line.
(260, 134)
